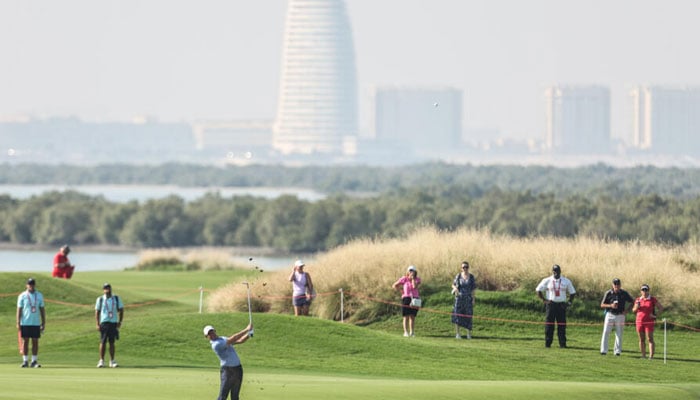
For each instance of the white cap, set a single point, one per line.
(411, 268)
(207, 329)
(298, 263)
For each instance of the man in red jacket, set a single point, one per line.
(62, 268)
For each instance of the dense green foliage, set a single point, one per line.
(644, 203)
(291, 224)
(585, 181)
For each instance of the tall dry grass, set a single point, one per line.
(200, 258)
(369, 267)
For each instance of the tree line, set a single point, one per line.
(593, 180)
(290, 224)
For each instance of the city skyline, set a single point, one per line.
(114, 60)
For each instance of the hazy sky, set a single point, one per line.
(219, 59)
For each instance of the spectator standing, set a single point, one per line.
(231, 369)
(302, 289)
(463, 287)
(616, 303)
(109, 314)
(647, 308)
(555, 289)
(31, 321)
(62, 268)
(408, 286)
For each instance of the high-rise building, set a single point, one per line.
(666, 120)
(577, 119)
(317, 105)
(423, 119)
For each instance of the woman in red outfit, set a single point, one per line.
(647, 308)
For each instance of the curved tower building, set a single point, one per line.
(317, 105)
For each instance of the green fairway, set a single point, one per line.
(68, 383)
(162, 352)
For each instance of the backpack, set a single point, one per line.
(102, 298)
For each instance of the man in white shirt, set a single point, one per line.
(555, 289)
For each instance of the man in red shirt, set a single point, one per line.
(62, 268)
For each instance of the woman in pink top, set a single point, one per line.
(408, 286)
(647, 307)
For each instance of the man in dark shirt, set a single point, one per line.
(616, 303)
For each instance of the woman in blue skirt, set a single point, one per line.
(463, 287)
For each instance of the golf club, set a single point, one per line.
(250, 311)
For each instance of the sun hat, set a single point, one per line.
(208, 329)
(645, 287)
(106, 285)
(412, 268)
(298, 263)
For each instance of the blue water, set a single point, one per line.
(42, 261)
(141, 193)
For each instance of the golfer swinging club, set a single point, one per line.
(231, 369)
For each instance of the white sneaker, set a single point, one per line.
(405, 334)
(113, 364)
(100, 364)
(413, 334)
(469, 335)
(458, 336)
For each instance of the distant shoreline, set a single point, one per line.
(121, 193)
(107, 248)
(103, 248)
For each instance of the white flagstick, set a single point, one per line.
(664, 340)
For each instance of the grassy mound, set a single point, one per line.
(196, 259)
(162, 347)
(366, 269)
